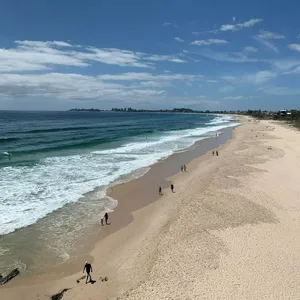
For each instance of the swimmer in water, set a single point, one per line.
(9, 155)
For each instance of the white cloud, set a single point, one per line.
(250, 49)
(295, 70)
(226, 89)
(240, 26)
(267, 35)
(39, 44)
(267, 44)
(252, 78)
(169, 58)
(176, 60)
(68, 86)
(203, 103)
(136, 76)
(240, 98)
(38, 55)
(295, 47)
(260, 77)
(113, 56)
(284, 64)
(211, 81)
(209, 42)
(234, 98)
(264, 38)
(169, 24)
(280, 91)
(178, 39)
(101, 88)
(152, 83)
(236, 57)
(229, 78)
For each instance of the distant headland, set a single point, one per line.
(129, 109)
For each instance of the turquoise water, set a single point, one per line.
(59, 156)
(54, 185)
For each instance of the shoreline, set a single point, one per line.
(75, 209)
(122, 214)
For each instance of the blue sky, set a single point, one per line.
(55, 55)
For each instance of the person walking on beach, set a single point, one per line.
(213, 153)
(160, 191)
(88, 268)
(217, 153)
(181, 168)
(184, 168)
(102, 222)
(172, 188)
(106, 218)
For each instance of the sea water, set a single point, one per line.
(53, 185)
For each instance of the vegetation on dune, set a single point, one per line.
(292, 116)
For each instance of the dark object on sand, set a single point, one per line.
(217, 153)
(82, 277)
(172, 188)
(213, 153)
(106, 218)
(104, 278)
(59, 295)
(88, 268)
(14, 273)
(160, 190)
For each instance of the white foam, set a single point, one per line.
(220, 119)
(30, 193)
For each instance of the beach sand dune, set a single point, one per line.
(231, 230)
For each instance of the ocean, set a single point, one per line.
(53, 187)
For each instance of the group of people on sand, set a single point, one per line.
(160, 189)
(215, 152)
(183, 169)
(88, 267)
(104, 218)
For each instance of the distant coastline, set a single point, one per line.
(174, 110)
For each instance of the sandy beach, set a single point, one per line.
(230, 230)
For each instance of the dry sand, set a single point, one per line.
(231, 231)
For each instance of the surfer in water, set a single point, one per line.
(9, 154)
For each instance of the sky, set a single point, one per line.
(216, 55)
